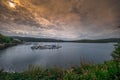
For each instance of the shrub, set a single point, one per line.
(116, 53)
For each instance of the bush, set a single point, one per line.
(4, 39)
(116, 53)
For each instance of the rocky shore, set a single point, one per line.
(6, 45)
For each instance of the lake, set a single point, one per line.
(18, 58)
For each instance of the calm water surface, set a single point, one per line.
(18, 58)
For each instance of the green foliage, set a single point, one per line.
(116, 53)
(4, 39)
(106, 71)
(71, 76)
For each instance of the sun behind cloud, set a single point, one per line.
(12, 4)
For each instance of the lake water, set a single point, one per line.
(18, 58)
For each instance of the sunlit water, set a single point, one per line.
(18, 58)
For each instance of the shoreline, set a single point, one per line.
(6, 45)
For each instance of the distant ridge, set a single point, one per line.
(98, 40)
(31, 39)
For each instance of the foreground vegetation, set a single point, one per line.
(108, 71)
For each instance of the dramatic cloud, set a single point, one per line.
(64, 19)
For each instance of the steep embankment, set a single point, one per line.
(7, 42)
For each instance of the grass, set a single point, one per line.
(108, 71)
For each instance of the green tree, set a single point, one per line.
(4, 39)
(116, 53)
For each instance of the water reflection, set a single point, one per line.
(19, 57)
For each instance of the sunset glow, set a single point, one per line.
(61, 19)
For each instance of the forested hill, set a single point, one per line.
(6, 42)
(98, 40)
(31, 39)
(4, 39)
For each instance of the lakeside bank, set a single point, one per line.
(6, 45)
(6, 42)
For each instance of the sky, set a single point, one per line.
(60, 19)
